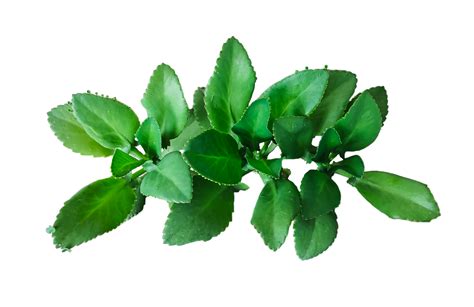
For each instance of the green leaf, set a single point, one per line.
(149, 137)
(200, 109)
(215, 156)
(123, 163)
(171, 180)
(327, 145)
(312, 237)
(96, 209)
(319, 194)
(164, 101)
(109, 122)
(361, 124)
(340, 88)
(298, 94)
(231, 86)
(192, 129)
(140, 200)
(277, 206)
(270, 167)
(380, 96)
(293, 135)
(73, 136)
(398, 197)
(351, 166)
(252, 128)
(207, 215)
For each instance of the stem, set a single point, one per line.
(138, 154)
(137, 174)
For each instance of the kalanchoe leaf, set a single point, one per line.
(351, 166)
(164, 101)
(312, 237)
(293, 135)
(231, 86)
(149, 137)
(319, 194)
(123, 163)
(207, 215)
(277, 206)
(73, 136)
(192, 129)
(215, 156)
(380, 96)
(109, 122)
(327, 145)
(171, 180)
(398, 197)
(140, 200)
(270, 167)
(199, 108)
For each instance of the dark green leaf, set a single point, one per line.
(70, 132)
(200, 110)
(270, 167)
(398, 197)
(215, 156)
(319, 194)
(380, 96)
(328, 144)
(123, 163)
(252, 128)
(351, 166)
(207, 215)
(293, 135)
(230, 87)
(277, 206)
(149, 137)
(139, 201)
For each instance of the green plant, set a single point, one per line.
(195, 159)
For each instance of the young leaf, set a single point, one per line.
(351, 166)
(231, 86)
(199, 108)
(277, 206)
(164, 101)
(215, 156)
(293, 135)
(340, 88)
(149, 137)
(123, 163)
(319, 194)
(73, 136)
(312, 237)
(361, 124)
(171, 180)
(252, 128)
(298, 94)
(96, 209)
(328, 144)
(270, 167)
(109, 122)
(192, 129)
(207, 215)
(380, 96)
(398, 197)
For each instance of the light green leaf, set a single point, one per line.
(192, 129)
(380, 96)
(298, 94)
(164, 101)
(140, 200)
(319, 194)
(293, 135)
(270, 167)
(73, 136)
(277, 206)
(207, 215)
(398, 197)
(96, 209)
(351, 166)
(200, 109)
(149, 137)
(312, 237)
(171, 180)
(327, 145)
(231, 86)
(252, 128)
(109, 122)
(215, 156)
(123, 163)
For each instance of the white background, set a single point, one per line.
(421, 52)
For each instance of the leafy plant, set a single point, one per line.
(196, 159)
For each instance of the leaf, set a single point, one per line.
(149, 137)
(398, 197)
(94, 210)
(270, 167)
(327, 145)
(297, 94)
(339, 90)
(109, 122)
(319, 194)
(293, 135)
(164, 101)
(73, 136)
(215, 156)
(139, 204)
(252, 128)
(192, 129)
(277, 206)
(207, 215)
(380, 96)
(361, 124)
(123, 163)
(171, 180)
(231, 86)
(200, 110)
(312, 237)
(351, 166)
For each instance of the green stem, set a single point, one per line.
(137, 174)
(138, 154)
